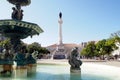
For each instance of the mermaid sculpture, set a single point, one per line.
(74, 60)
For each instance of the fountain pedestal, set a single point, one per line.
(75, 70)
(15, 30)
(20, 71)
(31, 68)
(1, 68)
(7, 67)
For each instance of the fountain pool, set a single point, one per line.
(89, 71)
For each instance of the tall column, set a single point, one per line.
(60, 50)
(60, 28)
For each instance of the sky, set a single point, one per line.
(83, 20)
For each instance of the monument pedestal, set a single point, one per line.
(20, 71)
(60, 52)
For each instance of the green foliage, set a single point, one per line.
(100, 47)
(37, 47)
(33, 47)
(89, 51)
(100, 44)
(6, 44)
(84, 52)
(116, 36)
(110, 45)
(103, 47)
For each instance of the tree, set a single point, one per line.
(37, 47)
(34, 47)
(6, 44)
(106, 46)
(90, 50)
(110, 45)
(100, 48)
(83, 52)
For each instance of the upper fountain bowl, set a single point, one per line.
(21, 2)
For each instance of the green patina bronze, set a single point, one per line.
(21, 2)
(74, 61)
(19, 29)
(20, 59)
(16, 29)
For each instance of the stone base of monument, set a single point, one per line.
(75, 70)
(59, 56)
(20, 72)
(31, 68)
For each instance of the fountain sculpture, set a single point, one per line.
(74, 61)
(16, 29)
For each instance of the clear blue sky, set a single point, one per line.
(83, 20)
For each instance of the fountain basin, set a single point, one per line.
(89, 71)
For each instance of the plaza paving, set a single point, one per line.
(65, 61)
(110, 63)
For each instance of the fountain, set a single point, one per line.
(16, 29)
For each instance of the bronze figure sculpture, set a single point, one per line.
(74, 61)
